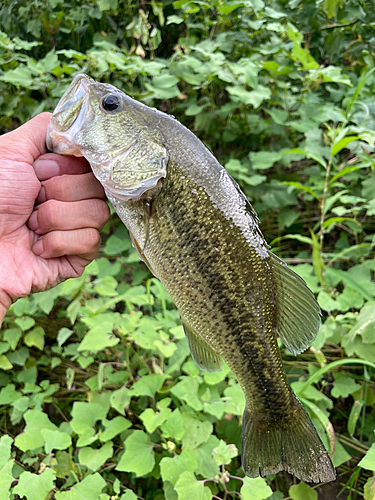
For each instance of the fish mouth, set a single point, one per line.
(72, 111)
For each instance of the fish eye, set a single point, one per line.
(110, 102)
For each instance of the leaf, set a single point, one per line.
(344, 385)
(94, 458)
(354, 415)
(88, 489)
(224, 453)
(35, 338)
(173, 427)
(148, 385)
(85, 415)
(34, 486)
(342, 143)
(187, 390)
(139, 456)
(302, 188)
(114, 427)
(368, 461)
(188, 488)
(172, 468)
(6, 479)
(21, 76)
(319, 159)
(32, 437)
(302, 491)
(196, 431)
(255, 489)
(369, 489)
(120, 399)
(5, 364)
(99, 338)
(55, 440)
(253, 97)
(152, 419)
(128, 495)
(345, 277)
(264, 159)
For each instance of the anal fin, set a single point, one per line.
(203, 355)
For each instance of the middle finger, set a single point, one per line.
(56, 215)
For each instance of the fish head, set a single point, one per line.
(117, 135)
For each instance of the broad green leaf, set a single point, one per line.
(255, 489)
(152, 419)
(148, 385)
(344, 385)
(85, 415)
(128, 495)
(188, 487)
(196, 431)
(187, 390)
(114, 427)
(88, 489)
(94, 458)
(302, 491)
(120, 399)
(204, 455)
(368, 461)
(5, 364)
(35, 338)
(99, 338)
(224, 453)
(369, 489)
(347, 279)
(35, 486)
(341, 455)
(32, 437)
(5, 449)
(55, 440)
(172, 468)
(6, 479)
(139, 456)
(173, 427)
(12, 336)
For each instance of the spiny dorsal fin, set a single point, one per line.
(298, 311)
(205, 358)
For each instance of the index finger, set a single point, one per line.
(51, 165)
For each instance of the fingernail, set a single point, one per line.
(38, 248)
(41, 196)
(33, 221)
(45, 169)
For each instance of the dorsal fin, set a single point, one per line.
(205, 358)
(298, 311)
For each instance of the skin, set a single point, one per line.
(51, 211)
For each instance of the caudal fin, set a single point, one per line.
(292, 445)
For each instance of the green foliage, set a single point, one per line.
(97, 387)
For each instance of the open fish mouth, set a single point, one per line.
(71, 113)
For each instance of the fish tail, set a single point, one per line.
(290, 444)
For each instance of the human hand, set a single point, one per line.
(51, 208)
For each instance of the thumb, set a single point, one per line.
(28, 142)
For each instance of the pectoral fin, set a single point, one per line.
(205, 358)
(298, 315)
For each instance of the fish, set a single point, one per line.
(198, 234)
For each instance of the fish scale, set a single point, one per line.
(194, 228)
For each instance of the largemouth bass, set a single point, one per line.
(196, 231)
